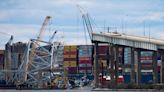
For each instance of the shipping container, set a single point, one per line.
(85, 62)
(73, 64)
(103, 50)
(85, 68)
(70, 59)
(72, 70)
(85, 65)
(127, 55)
(103, 57)
(146, 53)
(146, 66)
(70, 63)
(127, 78)
(85, 46)
(159, 68)
(66, 64)
(146, 58)
(85, 71)
(147, 71)
(70, 56)
(73, 47)
(70, 53)
(146, 78)
(146, 61)
(85, 58)
(127, 70)
(82, 71)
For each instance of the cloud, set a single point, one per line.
(24, 32)
(153, 16)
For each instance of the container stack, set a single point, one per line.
(70, 59)
(85, 59)
(159, 65)
(103, 57)
(146, 66)
(127, 65)
(120, 63)
(2, 59)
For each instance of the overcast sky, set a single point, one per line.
(23, 18)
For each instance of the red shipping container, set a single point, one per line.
(103, 57)
(70, 59)
(72, 70)
(159, 68)
(146, 58)
(146, 66)
(85, 68)
(70, 53)
(120, 80)
(85, 61)
(103, 49)
(85, 58)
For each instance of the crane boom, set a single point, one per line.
(42, 29)
(86, 21)
(52, 37)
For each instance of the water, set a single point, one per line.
(77, 90)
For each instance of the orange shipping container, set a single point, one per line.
(66, 56)
(73, 50)
(73, 56)
(66, 47)
(72, 64)
(66, 50)
(66, 64)
(73, 47)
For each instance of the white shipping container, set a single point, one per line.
(146, 71)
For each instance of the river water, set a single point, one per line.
(77, 90)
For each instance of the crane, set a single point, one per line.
(86, 20)
(52, 37)
(42, 29)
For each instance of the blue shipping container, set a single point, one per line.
(126, 78)
(146, 78)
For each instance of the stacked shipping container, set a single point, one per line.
(103, 55)
(146, 66)
(127, 64)
(70, 59)
(2, 75)
(85, 58)
(1, 59)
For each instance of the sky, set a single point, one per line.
(23, 19)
